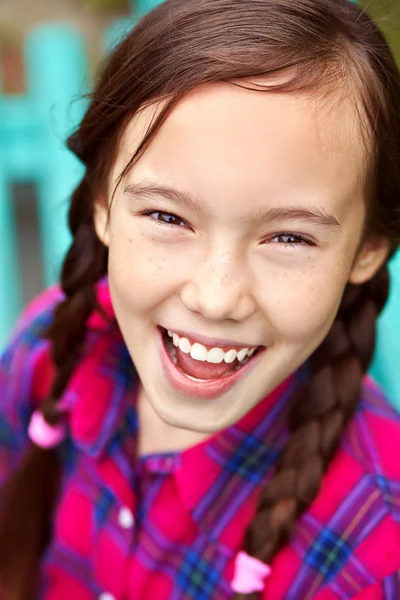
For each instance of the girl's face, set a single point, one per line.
(238, 228)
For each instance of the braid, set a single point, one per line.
(31, 492)
(320, 410)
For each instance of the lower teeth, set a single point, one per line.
(172, 354)
(195, 378)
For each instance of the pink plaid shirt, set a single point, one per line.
(169, 526)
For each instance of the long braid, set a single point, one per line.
(321, 409)
(26, 517)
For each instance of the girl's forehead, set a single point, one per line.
(234, 135)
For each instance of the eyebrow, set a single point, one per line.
(311, 214)
(153, 190)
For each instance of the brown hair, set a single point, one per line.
(178, 46)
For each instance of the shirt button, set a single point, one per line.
(126, 520)
(106, 596)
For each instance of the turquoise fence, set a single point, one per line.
(33, 129)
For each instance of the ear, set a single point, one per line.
(369, 260)
(101, 218)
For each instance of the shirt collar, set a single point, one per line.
(231, 468)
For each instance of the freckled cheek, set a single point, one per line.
(142, 275)
(301, 309)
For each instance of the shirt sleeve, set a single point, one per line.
(26, 373)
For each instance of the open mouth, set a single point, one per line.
(203, 363)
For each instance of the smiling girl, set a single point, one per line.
(187, 416)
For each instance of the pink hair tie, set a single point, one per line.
(42, 434)
(249, 574)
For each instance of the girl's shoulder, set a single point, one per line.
(368, 457)
(26, 373)
(29, 333)
(25, 363)
(347, 544)
(359, 507)
(373, 434)
(37, 314)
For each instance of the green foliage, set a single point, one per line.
(106, 5)
(387, 15)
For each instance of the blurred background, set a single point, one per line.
(50, 52)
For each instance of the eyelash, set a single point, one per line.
(304, 241)
(148, 213)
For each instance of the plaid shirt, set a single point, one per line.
(168, 526)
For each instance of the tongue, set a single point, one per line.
(203, 370)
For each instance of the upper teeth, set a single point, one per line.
(214, 355)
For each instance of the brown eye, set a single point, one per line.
(167, 218)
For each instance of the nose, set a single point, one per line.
(219, 289)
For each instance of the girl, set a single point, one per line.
(188, 416)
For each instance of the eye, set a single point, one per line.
(165, 218)
(292, 239)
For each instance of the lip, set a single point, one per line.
(209, 389)
(212, 342)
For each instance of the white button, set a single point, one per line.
(125, 519)
(106, 596)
